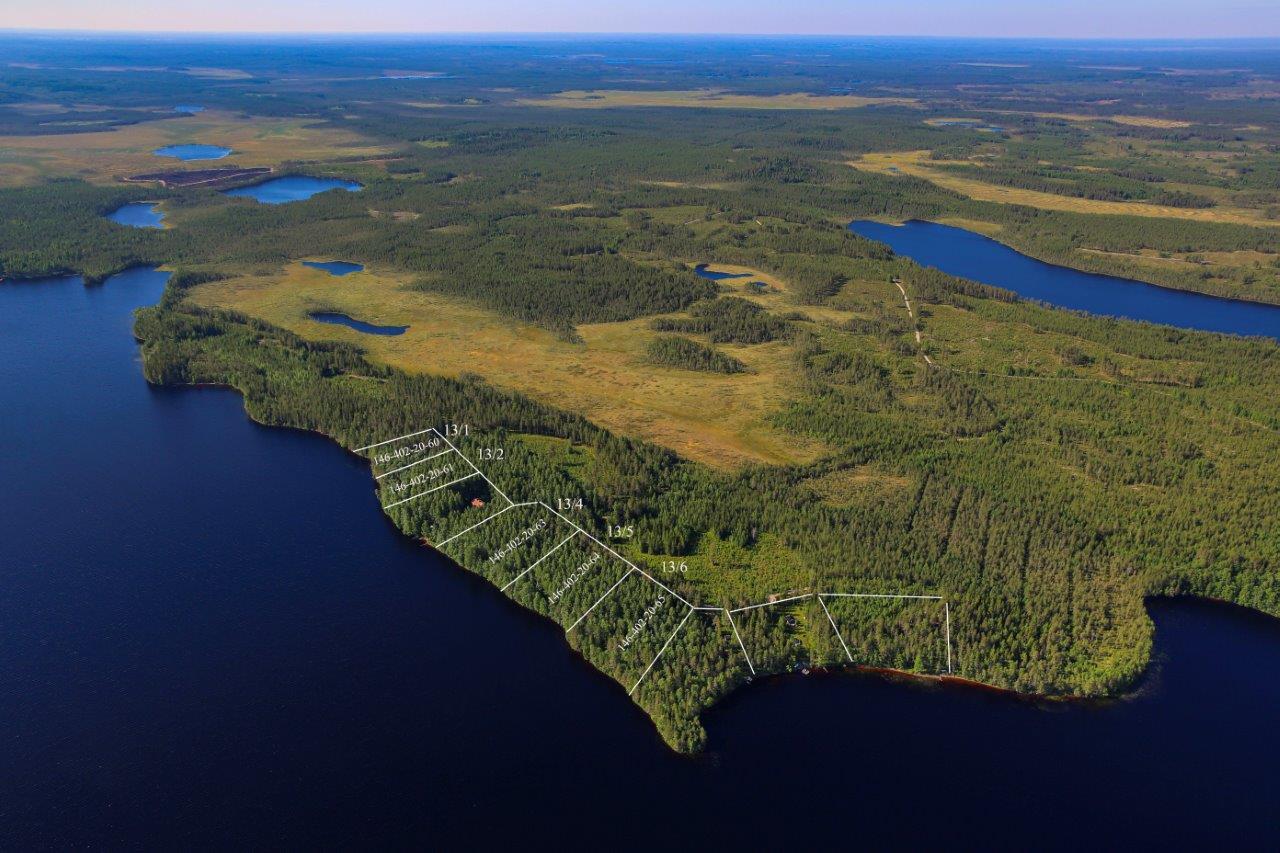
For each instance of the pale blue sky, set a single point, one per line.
(1051, 18)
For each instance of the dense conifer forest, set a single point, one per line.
(1033, 474)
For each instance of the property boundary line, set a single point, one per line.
(561, 544)
(741, 645)
(663, 650)
(588, 534)
(946, 614)
(877, 595)
(411, 464)
(632, 567)
(466, 459)
(429, 491)
(946, 608)
(485, 520)
(397, 438)
(839, 636)
(625, 575)
(771, 603)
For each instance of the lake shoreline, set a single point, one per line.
(1132, 689)
(1126, 275)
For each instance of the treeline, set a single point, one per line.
(60, 227)
(728, 319)
(675, 351)
(1067, 181)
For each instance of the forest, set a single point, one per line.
(1033, 474)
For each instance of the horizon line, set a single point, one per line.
(96, 31)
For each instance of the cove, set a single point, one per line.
(970, 255)
(212, 632)
(337, 319)
(335, 267)
(291, 188)
(142, 214)
(193, 152)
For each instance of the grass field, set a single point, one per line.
(717, 419)
(109, 155)
(916, 163)
(1128, 120)
(713, 98)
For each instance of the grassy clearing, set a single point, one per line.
(717, 419)
(1241, 260)
(728, 573)
(860, 485)
(915, 163)
(713, 98)
(106, 156)
(1128, 120)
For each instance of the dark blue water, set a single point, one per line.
(193, 152)
(292, 188)
(701, 269)
(359, 325)
(143, 214)
(335, 267)
(964, 253)
(212, 637)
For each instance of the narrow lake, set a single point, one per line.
(214, 638)
(292, 188)
(970, 255)
(336, 319)
(142, 214)
(193, 152)
(335, 267)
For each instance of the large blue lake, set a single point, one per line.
(292, 188)
(212, 637)
(964, 253)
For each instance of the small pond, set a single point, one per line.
(359, 325)
(335, 267)
(140, 214)
(193, 152)
(292, 188)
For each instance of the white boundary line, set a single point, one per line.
(946, 611)
(492, 485)
(946, 606)
(429, 491)
(877, 595)
(619, 556)
(563, 542)
(848, 653)
(411, 464)
(771, 603)
(397, 438)
(625, 575)
(478, 523)
(687, 614)
(632, 567)
(741, 645)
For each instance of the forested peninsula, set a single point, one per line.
(654, 389)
